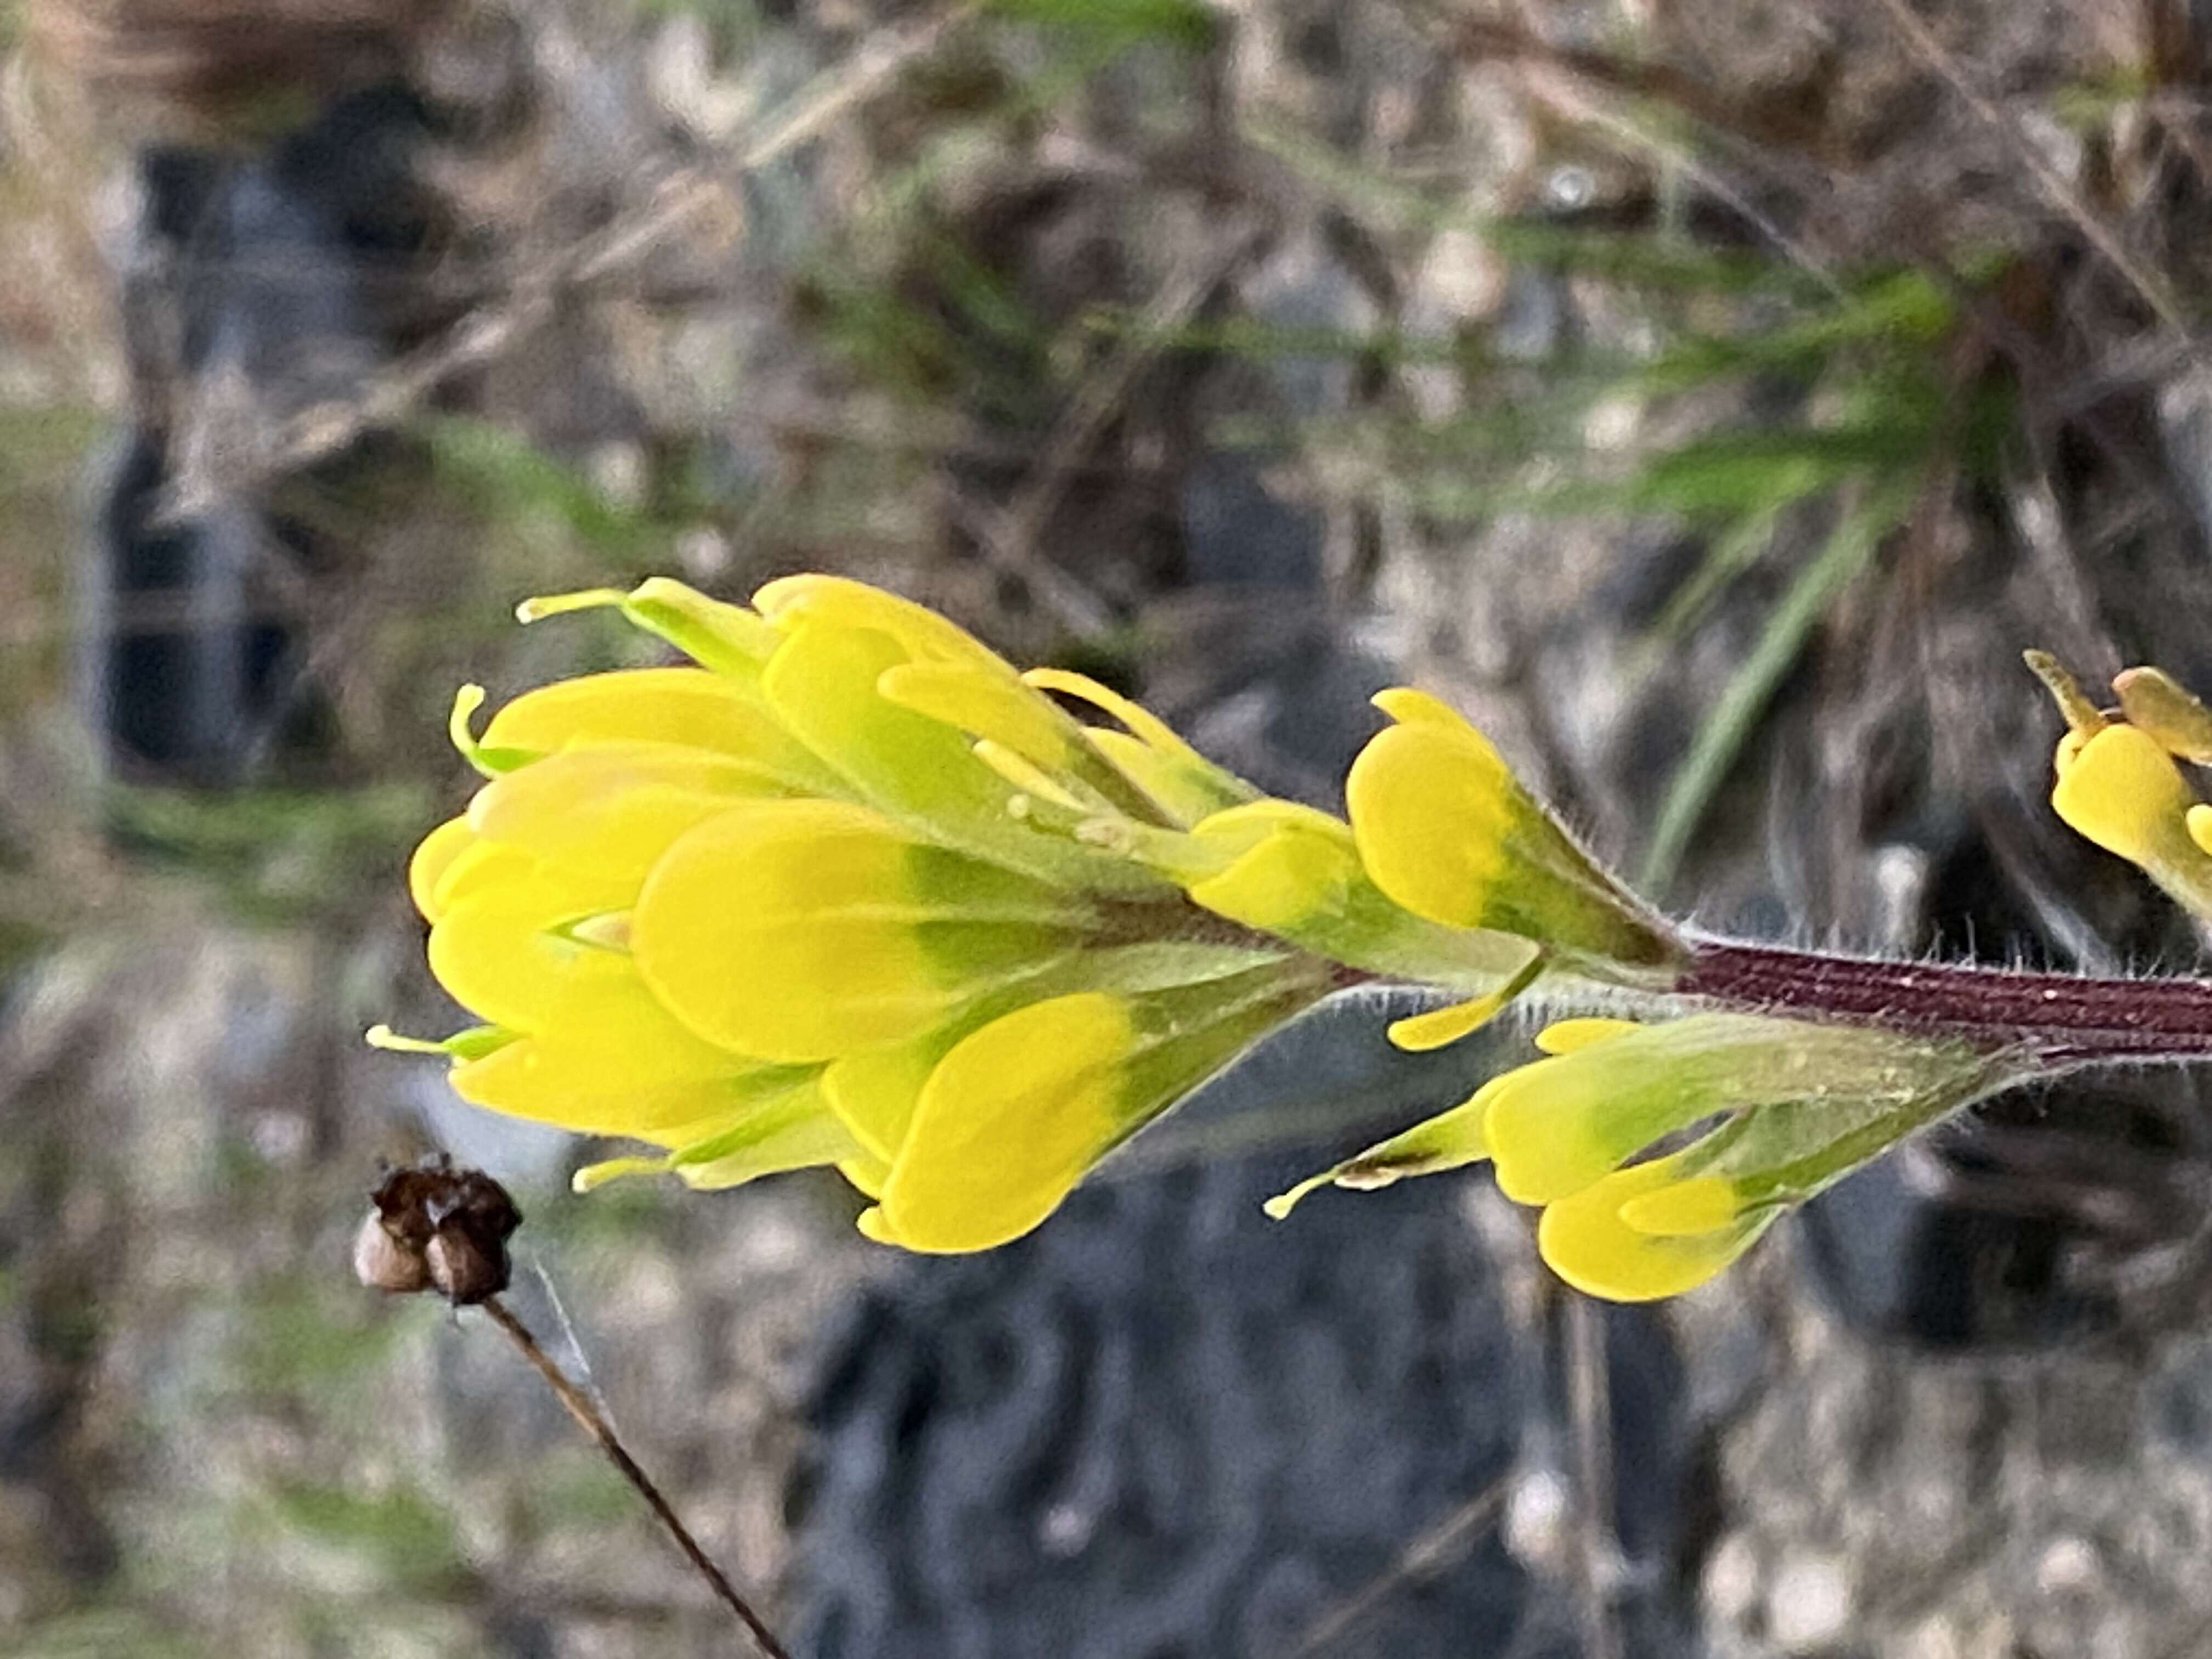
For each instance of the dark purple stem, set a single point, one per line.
(2064, 1020)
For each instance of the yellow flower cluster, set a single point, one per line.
(851, 891)
(842, 894)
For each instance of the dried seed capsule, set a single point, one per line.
(385, 1263)
(438, 1228)
(462, 1269)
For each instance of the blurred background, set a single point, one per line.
(1710, 399)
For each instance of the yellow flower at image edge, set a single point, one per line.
(838, 898)
(2116, 783)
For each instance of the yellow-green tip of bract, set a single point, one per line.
(1446, 831)
(848, 892)
(537, 609)
(1776, 1109)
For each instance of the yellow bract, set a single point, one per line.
(1297, 873)
(1432, 807)
(850, 892)
(1446, 830)
(804, 930)
(1007, 1123)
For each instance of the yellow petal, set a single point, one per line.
(498, 952)
(1008, 1122)
(436, 854)
(476, 868)
(874, 1094)
(2124, 793)
(596, 1089)
(1588, 1243)
(1188, 786)
(805, 930)
(793, 1132)
(2199, 825)
(613, 809)
(1557, 1125)
(1289, 870)
(1446, 830)
(866, 1171)
(1408, 707)
(1301, 865)
(986, 705)
(773, 1131)
(1441, 1027)
(1182, 797)
(686, 706)
(791, 602)
(1431, 808)
(1696, 1204)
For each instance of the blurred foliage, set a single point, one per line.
(274, 855)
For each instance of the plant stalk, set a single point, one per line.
(2062, 1019)
(593, 1423)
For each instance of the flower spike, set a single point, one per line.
(847, 890)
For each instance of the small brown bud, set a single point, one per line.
(437, 1228)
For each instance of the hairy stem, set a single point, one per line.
(2062, 1018)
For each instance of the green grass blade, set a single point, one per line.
(1720, 739)
(1728, 556)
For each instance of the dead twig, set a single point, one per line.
(2149, 287)
(1590, 1406)
(1008, 538)
(1424, 1555)
(231, 471)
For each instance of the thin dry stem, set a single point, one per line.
(593, 1422)
(1422, 1556)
